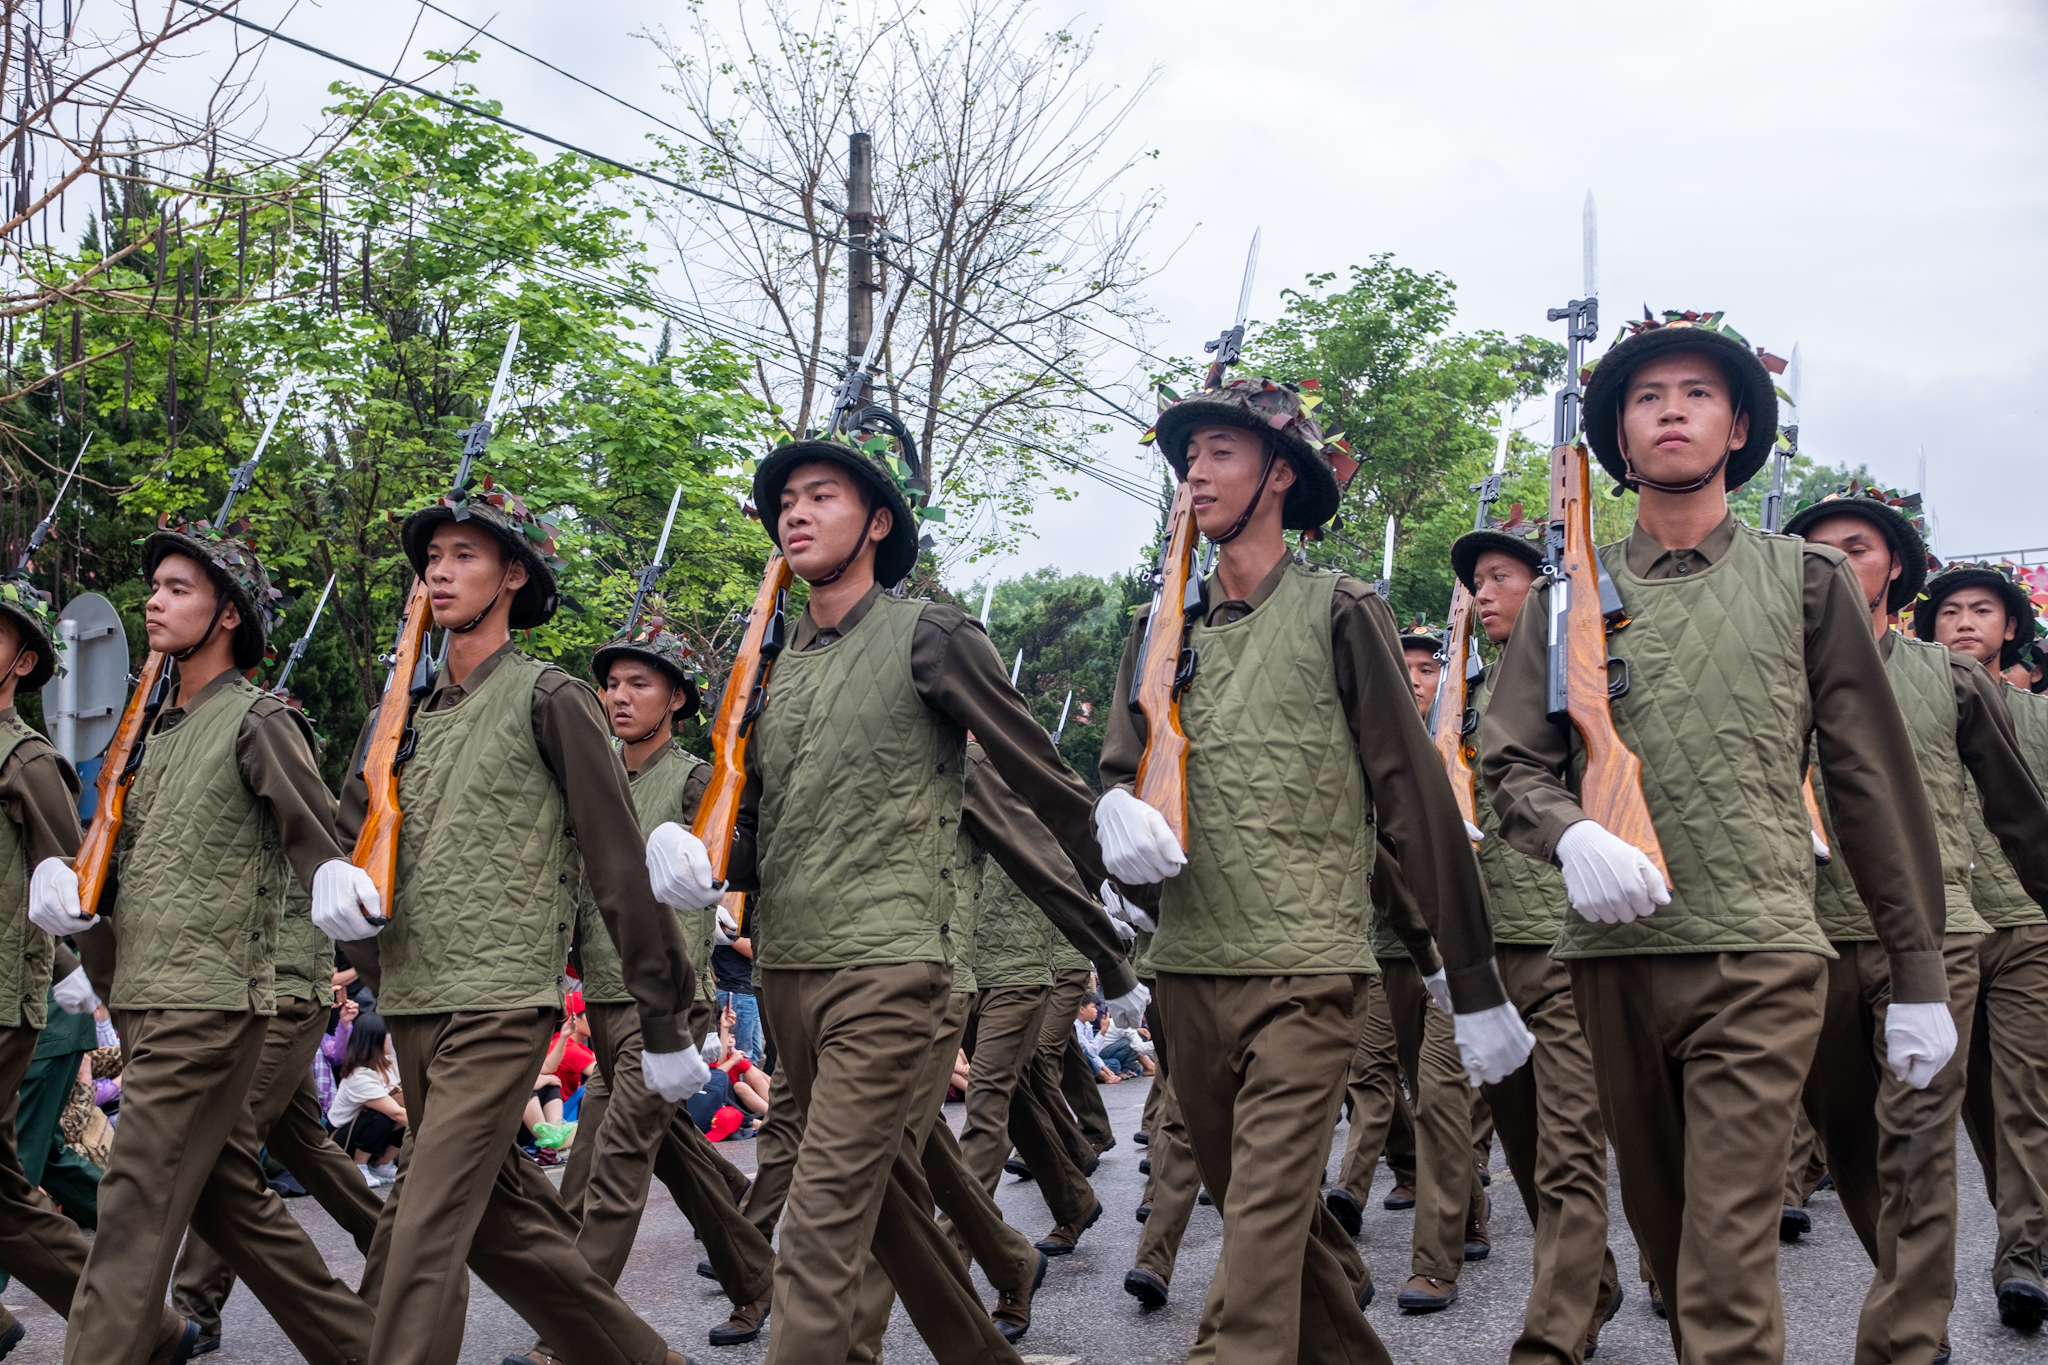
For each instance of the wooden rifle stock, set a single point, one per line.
(1165, 667)
(746, 688)
(1451, 701)
(1611, 790)
(376, 850)
(96, 854)
(1820, 831)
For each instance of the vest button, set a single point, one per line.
(561, 928)
(946, 872)
(562, 880)
(262, 890)
(255, 935)
(252, 983)
(1683, 567)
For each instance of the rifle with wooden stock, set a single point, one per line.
(1166, 662)
(123, 758)
(1584, 604)
(746, 689)
(1459, 664)
(408, 683)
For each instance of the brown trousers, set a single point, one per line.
(1448, 1192)
(976, 1224)
(285, 1104)
(466, 1195)
(1273, 1050)
(774, 1152)
(1042, 1128)
(1083, 1091)
(39, 1246)
(2006, 1109)
(1001, 1040)
(1700, 1058)
(854, 1042)
(1172, 1187)
(1893, 1149)
(1809, 1160)
(1548, 1118)
(627, 1135)
(185, 1153)
(1375, 1104)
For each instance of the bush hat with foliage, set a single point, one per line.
(1284, 415)
(1896, 515)
(526, 535)
(2001, 579)
(1517, 536)
(27, 609)
(891, 479)
(237, 574)
(1748, 371)
(653, 642)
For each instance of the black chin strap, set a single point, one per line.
(1245, 517)
(478, 619)
(1634, 480)
(220, 605)
(860, 543)
(667, 721)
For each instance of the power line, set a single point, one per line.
(476, 111)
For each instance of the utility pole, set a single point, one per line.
(860, 262)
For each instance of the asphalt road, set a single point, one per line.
(1083, 1315)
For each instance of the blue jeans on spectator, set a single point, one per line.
(1120, 1057)
(746, 1024)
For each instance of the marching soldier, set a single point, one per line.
(512, 784)
(848, 829)
(1261, 950)
(225, 809)
(39, 795)
(1548, 1112)
(1702, 1000)
(1980, 613)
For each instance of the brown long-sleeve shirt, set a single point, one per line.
(575, 742)
(39, 793)
(2009, 792)
(957, 674)
(1412, 802)
(1882, 816)
(1396, 903)
(1013, 836)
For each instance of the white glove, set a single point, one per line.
(1918, 1041)
(1474, 833)
(1820, 849)
(727, 929)
(1493, 1044)
(713, 1050)
(675, 1075)
(679, 868)
(1128, 1011)
(75, 994)
(1439, 988)
(1124, 913)
(1137, 846)
(1609, 880)
(343, 898)
(53, 899)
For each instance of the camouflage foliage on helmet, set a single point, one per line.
(506, 511)
(1284, 409)
(231, 555)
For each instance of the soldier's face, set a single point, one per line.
(1678, 417)
(1870, 554)
(820, 520)
(466, 569)
(10, 648)
(1503, 582)
(181, 602)
(1972, 621)
(1223, 471)
(638, 697)
(1423, 672)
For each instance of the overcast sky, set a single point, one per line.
(1868, 180)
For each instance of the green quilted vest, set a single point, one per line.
(1718, 712)
(487, 862)
(1525, 898)
(25, 951)
(1920, 679)
(1280, 834)
(975, 865)
(1011, 934)
(203, 879)
(1060, 955)
(861, 786)
(305, 956)
(657, 798)
(1386, 944)
(1994, 888)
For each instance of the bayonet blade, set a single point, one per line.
(1792, 382)
(42, 531)
(243, 477)
(661, 549)
(497, 405)
(987, 599)
(298, 650)
(1592, 248)
(1016, 668)
(1061, 730)
(1251, 269)
(1387, 554)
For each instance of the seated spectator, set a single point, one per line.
(1085, 1016)
(736, 1091)
(333, 1047)
(561, 1075)
(1126, 1051)
(368, 1112)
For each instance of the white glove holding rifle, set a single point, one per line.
(1918, 1041)
(1127, 918)
(679, 868)
(727, 929)
(1609, 879)
(53, 899)
(344, 898)
(1138, 847)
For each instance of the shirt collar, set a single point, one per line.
(1224, 612)
(808, 635)
(223, 680)
(447, 693)
(1647, 558)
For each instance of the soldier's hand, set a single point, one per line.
(53, 899)
(346, 906)
(1609, 880)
